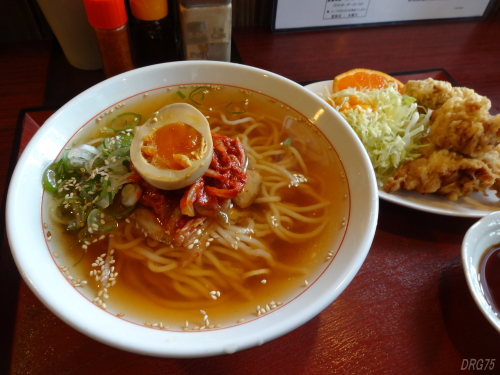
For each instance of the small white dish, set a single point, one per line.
(478, 239)
(475, 206)
(41, 269)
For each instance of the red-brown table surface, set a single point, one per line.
(408, 310)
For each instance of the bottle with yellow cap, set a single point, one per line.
(153, 36)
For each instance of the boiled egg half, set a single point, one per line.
(173, 148)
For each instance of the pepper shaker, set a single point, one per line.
(109, 20)
(206, 29)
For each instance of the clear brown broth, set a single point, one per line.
(280, 286)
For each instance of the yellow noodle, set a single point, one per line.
(261, 271)
(220, 267)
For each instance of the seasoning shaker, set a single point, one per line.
(153, 37)
(109, 20)
(206, 29)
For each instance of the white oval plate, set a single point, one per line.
(475, 206)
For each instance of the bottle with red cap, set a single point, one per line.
(153, 37)
(109, 20)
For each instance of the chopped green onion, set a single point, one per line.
(197, 92)
(79, 260)
(124, 213)
(287, 142)
(49, 179)
(124, 121)
(179, 92)
(98, 221)
(234, 112)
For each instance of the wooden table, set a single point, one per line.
(407, 311)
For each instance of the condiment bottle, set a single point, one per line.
(206, 29)
(68, 21)
(153, 38)
(109, 20)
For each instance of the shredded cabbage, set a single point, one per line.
(388, 124)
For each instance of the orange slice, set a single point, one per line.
(359, 78)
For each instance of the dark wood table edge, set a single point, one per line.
(10, 277)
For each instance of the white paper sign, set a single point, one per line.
(296, 14)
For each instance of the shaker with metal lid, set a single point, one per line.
(206, 29)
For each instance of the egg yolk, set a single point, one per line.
(173, 146)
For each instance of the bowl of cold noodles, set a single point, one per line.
(191, 209)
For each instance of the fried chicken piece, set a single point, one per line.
(444, 172)
(433, 94)
(465, 126)
(492, 160)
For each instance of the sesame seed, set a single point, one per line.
(263, 281)
(306, 283)
(241, 320)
